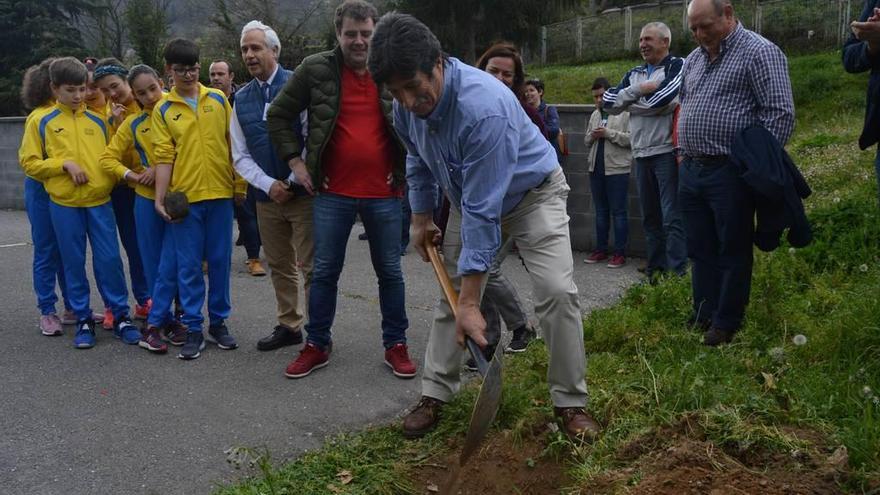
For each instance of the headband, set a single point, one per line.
(110, 70)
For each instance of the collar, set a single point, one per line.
(435, 118)
(272, 77)
(70, 111)
(729, 41)
(173, 95)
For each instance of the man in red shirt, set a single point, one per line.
(356, 161)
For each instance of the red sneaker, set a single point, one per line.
(617, 261)
(398, 360)
(596, 256)
(310, 359)
(151, 341)
(142, 312)
(108, 319)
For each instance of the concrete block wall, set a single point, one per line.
(11, 176)
(573, 119)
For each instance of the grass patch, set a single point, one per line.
(803, 372)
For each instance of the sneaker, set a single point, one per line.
(69, 317)
(126, 331)
(220, 335)
(151, 341)
(107, 321)
(192, 349)
(617, 261)
(174, 333)
(521, 338)
(397, 358)
(471, 363)
(50, 325)
(255, 268)
(311, 357)
(423, 418)
(596, 257)
(280, 337)
(142, 312)
(85, 335)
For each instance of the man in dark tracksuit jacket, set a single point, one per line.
(861, 52)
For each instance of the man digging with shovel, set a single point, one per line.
(467, 132)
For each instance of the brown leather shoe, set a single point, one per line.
(577, 424)
(423, 418)
(255, 268)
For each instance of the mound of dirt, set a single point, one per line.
(503, 465)
(671, 461)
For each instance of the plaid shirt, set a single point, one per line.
(747, 84)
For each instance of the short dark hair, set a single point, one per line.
(139, 70)
(36, 89)
(181, 51)
(402, 46)
(601, 83)
(221, 61)
(505, 49)
(537, 83)
(68, 70)
(358, 10)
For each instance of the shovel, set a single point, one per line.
(489, 397)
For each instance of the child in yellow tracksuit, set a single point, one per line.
(192, 151)
(110, 76)
(61, 149)
(130, 157)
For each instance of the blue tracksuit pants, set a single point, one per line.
(47, 258)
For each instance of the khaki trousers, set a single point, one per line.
(539, 226)
(286, 232)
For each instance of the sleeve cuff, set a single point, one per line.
(265, 183)
(472, 261)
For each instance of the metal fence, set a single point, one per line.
(794, 25)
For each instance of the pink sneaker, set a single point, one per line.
(50, 325)
(617, 261)
(69, 317)
(596, 256)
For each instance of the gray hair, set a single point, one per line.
(660, 28)
(272, 41)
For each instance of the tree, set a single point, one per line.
(31, 31)
(466, 26)
(104, 28)
(147, 29)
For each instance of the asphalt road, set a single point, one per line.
(117, 420)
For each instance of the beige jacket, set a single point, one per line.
(618, 155)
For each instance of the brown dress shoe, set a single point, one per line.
(423, 418)
(577, 424)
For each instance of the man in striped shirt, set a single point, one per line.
(650, 93)
(735, 79)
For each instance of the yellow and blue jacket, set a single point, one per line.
(131, 148)
(196, 142)
(61, 134)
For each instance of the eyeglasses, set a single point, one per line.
(184, 71)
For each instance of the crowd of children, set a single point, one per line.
(102, 146)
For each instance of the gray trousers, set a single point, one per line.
(500, 299)
(539, 226)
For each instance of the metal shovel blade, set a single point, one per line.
(489, 398)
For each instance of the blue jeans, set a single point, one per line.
(657, 182)
(334, 217)
(609, 199)
(719, 215)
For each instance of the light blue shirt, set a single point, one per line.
(482, 149)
